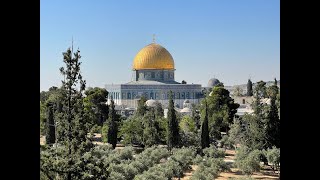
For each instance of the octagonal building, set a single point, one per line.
(153, 77)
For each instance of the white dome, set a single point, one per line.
(186, 110)
(151, 103)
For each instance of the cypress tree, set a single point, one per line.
(142, 108)
(50, 133)
(272, 119)
(249, 88)
(112, 131)
(173, 127)
(205, 130)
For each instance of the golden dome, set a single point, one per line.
(153, 56)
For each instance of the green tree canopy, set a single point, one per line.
(95, 105)
(221, 110)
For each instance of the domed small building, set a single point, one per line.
(213, 82)
(153, 77)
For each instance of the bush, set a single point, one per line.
(209, 167)
(190, 139)
(248, 161)
(203, 173)
(95, 129)
(227, 142)
(213, 152)
(273, 157)
(175, 165)
(133, 166)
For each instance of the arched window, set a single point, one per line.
(129, 95)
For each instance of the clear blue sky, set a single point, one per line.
(228, 39)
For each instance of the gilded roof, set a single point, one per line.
(153, 56)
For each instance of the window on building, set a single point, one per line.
(153, 75)
(182, 95)
(129, 95)
(163, 96)
(161, 75)
(151, 95)
(156, 96)
(243, 101)
(178, 95)
(187, 95)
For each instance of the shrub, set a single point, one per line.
(190, 139)
(133, 166)
(227, 142)
(203, 173)
(95, 129)
(176, 164)
(273, 157)
(213, 152)
(248, 161)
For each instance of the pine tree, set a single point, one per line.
(173, 126)
(73, 123)
(249, 88)
(113, 130)
(205, 130)
(66, 159)
(50, 132)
